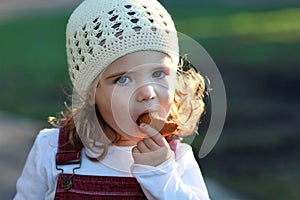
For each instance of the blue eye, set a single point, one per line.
(122, 80)
(159, 74)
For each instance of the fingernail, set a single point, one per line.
(143, 125)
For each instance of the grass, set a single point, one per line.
(246, 44)
(244, 36)
(33, 65)
(259, 26)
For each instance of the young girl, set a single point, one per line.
(123, 63)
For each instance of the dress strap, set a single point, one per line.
(67, 153)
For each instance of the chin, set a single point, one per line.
(132, 133)
(138, 137)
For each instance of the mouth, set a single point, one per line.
(146, 117)
(163, 127)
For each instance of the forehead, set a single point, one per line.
(140, 58)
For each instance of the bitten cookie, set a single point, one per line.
(165, 128)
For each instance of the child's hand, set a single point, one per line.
(152, 150)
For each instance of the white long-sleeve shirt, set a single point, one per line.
(177, 178)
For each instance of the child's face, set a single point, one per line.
(132, 85)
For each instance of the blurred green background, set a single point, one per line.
(256, 47)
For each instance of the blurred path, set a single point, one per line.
(16, 137)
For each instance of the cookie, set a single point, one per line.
(165, 128)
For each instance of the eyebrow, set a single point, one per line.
(117, 74)
(162, 67)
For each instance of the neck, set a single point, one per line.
(125, 142)
(118, 139)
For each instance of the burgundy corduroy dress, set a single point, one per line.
(80, 187)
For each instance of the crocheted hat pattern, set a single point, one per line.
(101, 31)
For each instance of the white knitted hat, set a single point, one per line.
(101, 31)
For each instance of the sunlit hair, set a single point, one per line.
(186, 110)
(188, 105)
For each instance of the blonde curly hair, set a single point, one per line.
(186, 110)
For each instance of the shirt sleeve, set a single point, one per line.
(32, 184)
(173, 179)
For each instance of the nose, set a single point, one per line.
(145, 93)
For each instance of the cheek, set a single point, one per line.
(118, 105)
(169, 100)
(104, 104)
(120, 97)
(122, 113)
(168, 88)
(166, 99)
(171, 81)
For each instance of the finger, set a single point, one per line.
(136, 155)
(153, 146)
(154, 134)
(149, 130)
(135, 150)
(142, 147)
